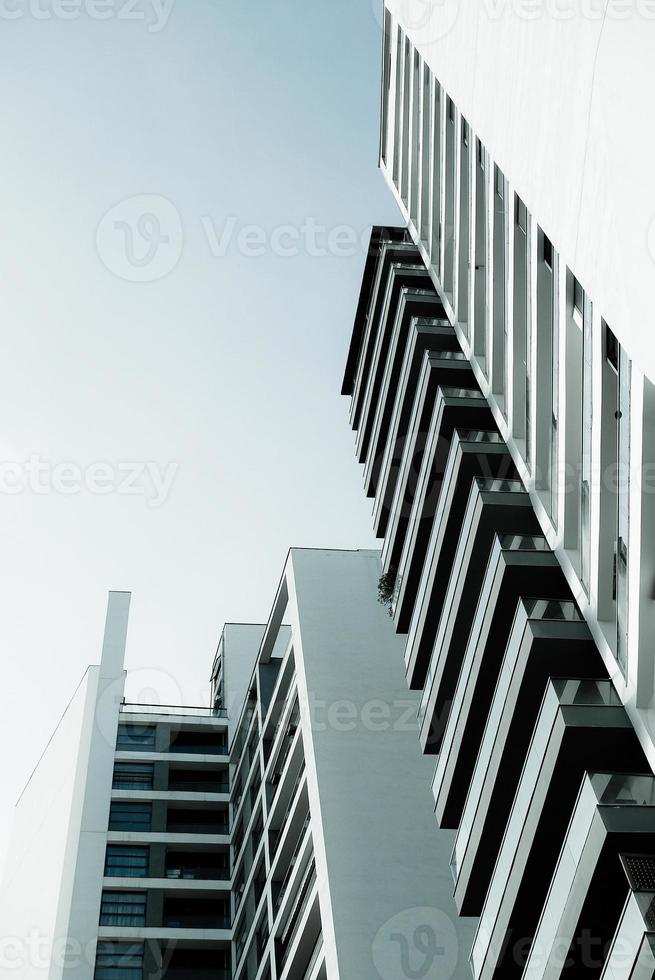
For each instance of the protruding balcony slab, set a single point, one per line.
(381, 239)
(632, 953)
(425, 302)
(492, 508)
(424, 572)
(412, 336)
(549, 638)
(517, 567)
(581, 725)
(393, 257)
(436, 372)
(588, 890)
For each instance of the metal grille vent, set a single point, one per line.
(640, 869)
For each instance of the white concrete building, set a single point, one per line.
(502, 384)
(290, 837)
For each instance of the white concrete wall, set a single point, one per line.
(50, 896)
(560, 92)
(240, 648)
(382, 863)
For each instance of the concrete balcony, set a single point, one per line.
(491, 509)
(631, 955)
(455, 408)
(613, 812)
(413, 334)
(399, 276)
(436, 372)
(173, 885)
(416, 297)
(391, 245)
(581, 725)
(548, 638)
(472, 454)
(515, 569)
(424, 368)
(166, 933)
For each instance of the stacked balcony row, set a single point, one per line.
(166, 897)
(538, 769)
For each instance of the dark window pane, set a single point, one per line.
(123, 909)
(130, 816)
(126, 862)
(135, 738)
(119, 961)
(129, 775)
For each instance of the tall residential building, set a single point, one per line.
(284, 833)
(501, 377)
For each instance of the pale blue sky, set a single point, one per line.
(229, 368)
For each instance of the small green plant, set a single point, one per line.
(387, 588)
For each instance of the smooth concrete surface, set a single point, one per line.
(383, 865)
(578, 76)
(50, 897)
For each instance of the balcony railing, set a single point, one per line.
(199, 874)
(302, 900)
(189, 827)
(292, 862)
(198, 748)
(192, 711)
(190, 921)
(315, 955)
(196, 786)
(196, 973)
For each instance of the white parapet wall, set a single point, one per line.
(50, 896)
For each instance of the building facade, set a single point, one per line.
(283, 833)
(504, 410)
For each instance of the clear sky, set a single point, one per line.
(222, 372)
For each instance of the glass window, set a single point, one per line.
(500, 247)
(128, 775)
(386, 85)
(123, 909)
(623, 510)
(521, 214)
(130, 816)
(119, 961)
(398, 107)
(611, 348)
(135, 738)
(480, 312)
(435, 249)
(587, 396)
(126, 862)
(578, 299)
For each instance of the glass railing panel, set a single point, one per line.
(198, 874)
(585, 691)
(523, 542)
(623, 789)
(497, 484)
(451, 391)
(553, 609)
(193, 711)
